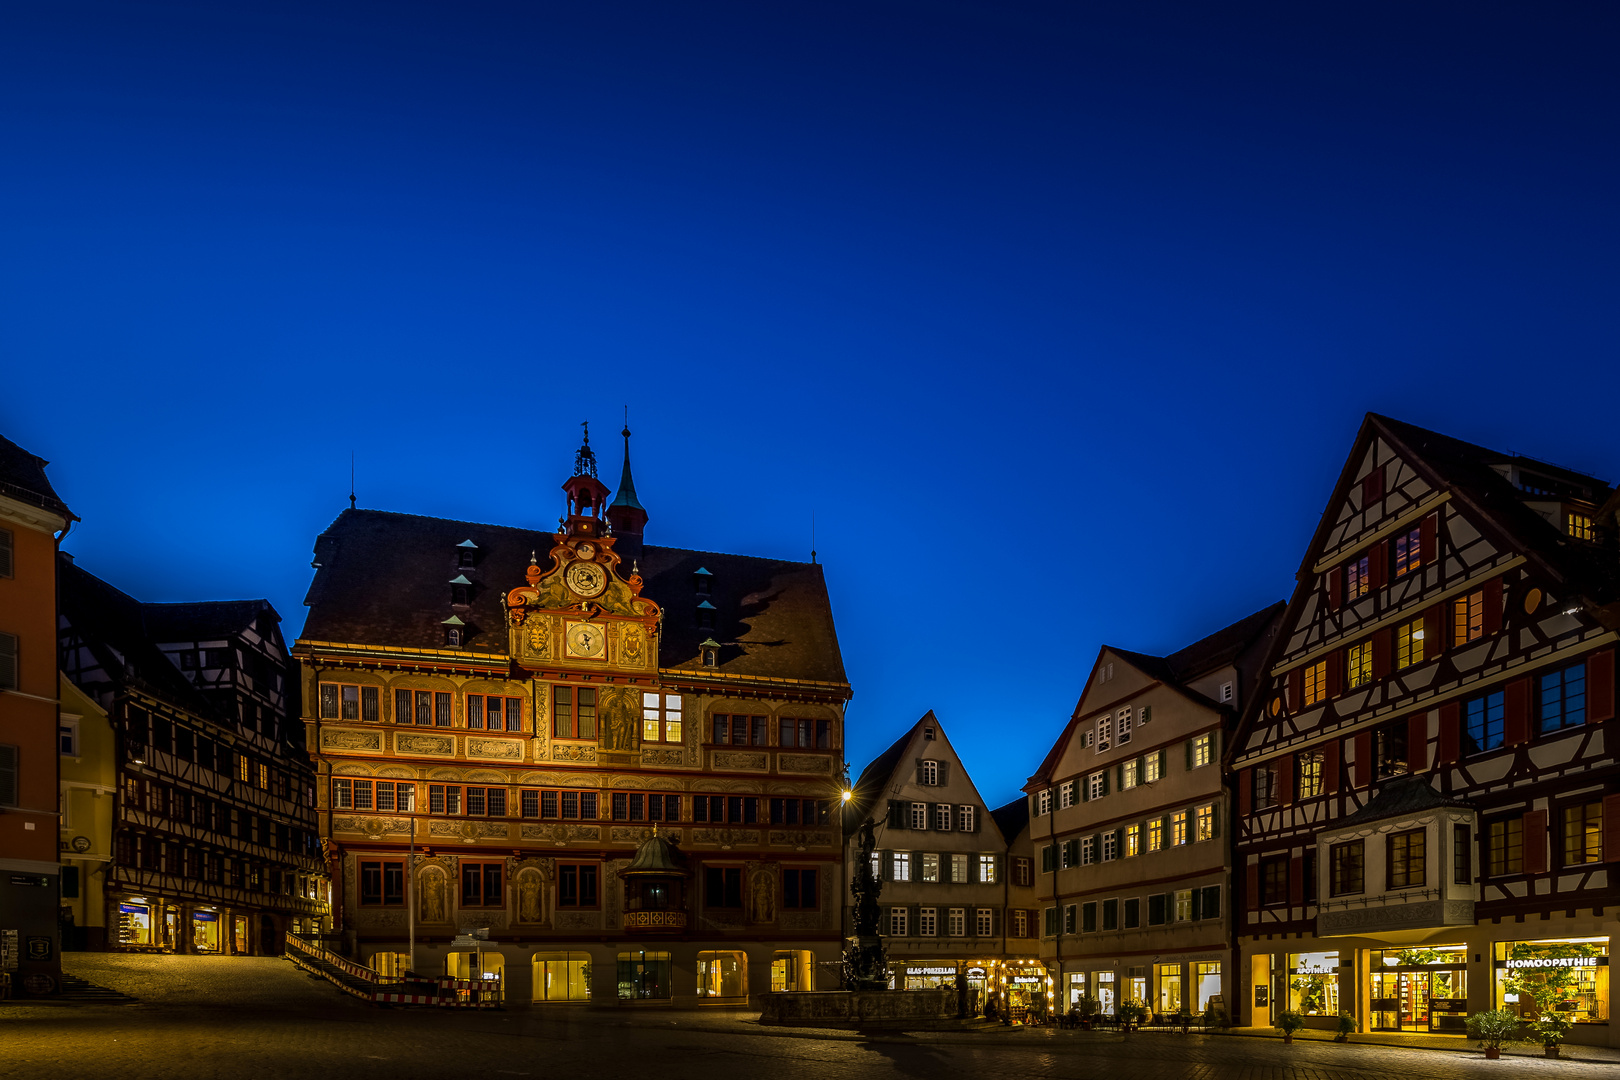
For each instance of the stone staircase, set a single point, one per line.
(76, 989)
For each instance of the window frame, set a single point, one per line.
(1400, 860)
(662, 722)
(572, 881)
(487, 870)
(1347, 867)
(570, 725)
(510, 726)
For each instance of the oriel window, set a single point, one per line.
(1406, 859)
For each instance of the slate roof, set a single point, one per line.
(22, 477)
(203, 621)
(1398, 798)
(870, 784)
(383, 579)
(1012, 819)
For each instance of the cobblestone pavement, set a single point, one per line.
(237, 1017)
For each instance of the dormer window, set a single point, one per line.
(460, 590)
(710, 652)
(705, 616)
(702, 581)
(454, 632)
(466, 552)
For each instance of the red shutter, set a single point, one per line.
(1535, 842)
(1296, 690)
(1335, 584)
(1450, 735)
(1245, 791)
(1600, 686)
(1285, 781)
(1611, 828)
(1434, 631)
(1330, 766)
(1296, 881)
(1364, 762)
(1372, 487)
(1335, 673)
(1382, 642)
(1251, 895)
(1516, 712)
(1377, 558)
(1493, 606)
(1417, 742)
(1428, 531)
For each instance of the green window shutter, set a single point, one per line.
(1085, 788)
(1105, 781)
(888, 866)
(1188, 748)
(1197, 898)
(1215, 820)
(1141, 770)
(1164, 763)
(1119, 776)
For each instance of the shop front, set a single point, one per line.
(205, 932)
(1421, 989)
(932, 975)
(1567, 975)
(136, 925)
(1024, 986)
(239, 935)
(722, 977)
(1309, 983)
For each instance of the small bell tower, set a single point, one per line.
(587, 496)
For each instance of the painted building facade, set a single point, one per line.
(620, 762)
(1129, 819)
(88, 755)
(32, 521)
(958, 894)
(1428, 796)
(214, 848)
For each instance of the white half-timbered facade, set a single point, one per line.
(1428, 798)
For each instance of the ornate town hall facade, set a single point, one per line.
(621, 761)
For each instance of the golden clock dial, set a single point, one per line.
(586, 640)
(587, 579)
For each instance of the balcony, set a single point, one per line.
(668, 922)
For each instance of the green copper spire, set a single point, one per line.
(627, 486)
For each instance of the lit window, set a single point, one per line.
(1361, 665)
(1201, 750)
(1309, 770)
(1408, 552)
(1178, 828)
(987, 869)
(1468, 617)
(1409, 644)
(1152, 767)
(929, 868)
(1128, 776)
(1183, 905)
(1579, 526)
(660, 717)
(1155, 835)
(1315, 683)
(1504, 851)
(902, 866)
(1205, 823)
(1133, 841)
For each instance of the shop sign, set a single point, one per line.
(41, 948)
(29, 879)
(975, 973)
(934, 969)
(205, 916)
(1555, 962)
(1028, 980)
(9, 951)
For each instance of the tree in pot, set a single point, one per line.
(1552, 990)
(1347, 1027)
(1290, 1022)
(1494, 1028)
(1131, 1014)
(1088, 1011)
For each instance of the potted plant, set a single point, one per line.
(1131, 1014)
(1347, 1027)
(1290, 1022)
(1551, 1028)
(1184, 1018)
(1552, 991)
(1492, 1029)
(1088, 1011)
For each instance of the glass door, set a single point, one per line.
(1414, 997)
(1386, 1010)
(1448, 1001)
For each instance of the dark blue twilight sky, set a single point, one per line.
(1058, 317)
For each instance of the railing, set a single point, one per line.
(655, 920)
(447, 992)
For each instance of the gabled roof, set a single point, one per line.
(203, 620)
(871, 782)
(113, 627)
(1399, 798)
(380, 579)
(22, 477)
(1240, 645)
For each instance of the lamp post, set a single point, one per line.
(410, 887)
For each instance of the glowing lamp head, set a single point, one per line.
(847, 795)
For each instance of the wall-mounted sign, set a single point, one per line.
(975, 972)
(41, 948)
(29, 879)
(1262, 997)
(1555, 962)
(81, 844)
(932, 969)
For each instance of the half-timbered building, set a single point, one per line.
(619, 762)
(1429, 803)
(1129, 816)
(213, 846)
(957, 898)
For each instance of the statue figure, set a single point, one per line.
(620, 718)
(433, 910)
(529, 896)
(866, 964)
(763, 896)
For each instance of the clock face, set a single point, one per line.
(586, 578)
(586, 640)
(586, 551)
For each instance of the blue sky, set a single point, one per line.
(1058, 318)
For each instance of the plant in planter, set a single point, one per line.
(1088, 1011)
(1552, 990)
(1290, 1022)
(1494, 1028)
(1184, 1018)
(1551, 1029)
(1347, 1027)
(1131, 1015)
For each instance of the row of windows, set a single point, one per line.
(189, 808)
(158, 732)
(1175, 830)
(1145, 769)
(920, 921)
(392, 796)
(939, 817)
(382, 884)
(1183, 905)
(723, 888)
(735, 730)
(957, 868)
(200, 864)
